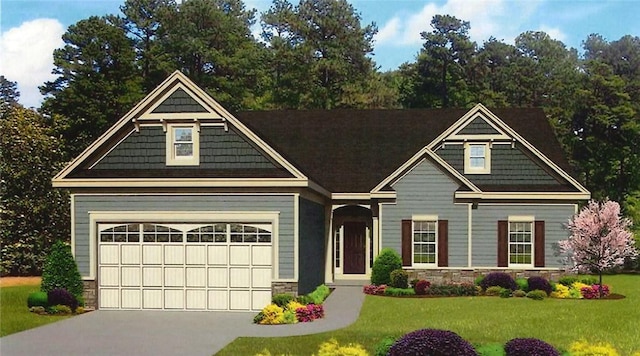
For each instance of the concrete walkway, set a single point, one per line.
(156, 333)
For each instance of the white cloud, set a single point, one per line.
(502, 19)
(389, 31)
(554, 33)
(26, 56)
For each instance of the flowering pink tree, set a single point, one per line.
(600, 238)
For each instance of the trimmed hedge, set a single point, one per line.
(61, 271)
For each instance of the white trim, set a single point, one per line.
(413, 242)
(171, 158)
(477, 137)
(296, 234)
(73, 223)
(181, 182)
(470, 235)
(469, 120)
(468, 169)
(178, 115)
(521, 219)
(424, 217)
(96, 217)
(328, 257)
(492, 268)
(523, 195)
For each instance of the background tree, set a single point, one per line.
(9, 94)
(600, 239)
(97, 81)
(32, 214)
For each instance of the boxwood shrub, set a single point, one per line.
(37, 299)
(432, 342)
(537, 294)
(387, 261)
(399, 278)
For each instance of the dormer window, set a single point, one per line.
(477, 158)
(183, 146)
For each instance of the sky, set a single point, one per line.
(31, 29)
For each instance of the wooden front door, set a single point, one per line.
(354, 247)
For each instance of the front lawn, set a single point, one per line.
(14, 314)
(480, 320)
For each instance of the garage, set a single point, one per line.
(184, 266)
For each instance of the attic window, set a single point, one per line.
(183, 145)
(477, 158)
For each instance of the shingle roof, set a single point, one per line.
(354, 150)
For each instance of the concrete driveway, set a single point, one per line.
(158, 333)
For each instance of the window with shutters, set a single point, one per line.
(521, 243)
(425, 242)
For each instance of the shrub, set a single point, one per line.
(567, 281)
(258, 318)
(272, 314)
(539, 283)
(478, 280)
(561, 291)
(310, 312)
(584, 348)
(421, 287)
(319, 294)
(494, 291)
(38, 310)
(387, 261)
(499, 279)
(59, 310)
(61, 271)
(593, 292)
(588, 280)
(61, 296)
(529, 347)
(412, 283)
(37, 299)
(399, 278)
(289, 317)
(332, 348)
(282, 300)
(451, 289)
(383, 346)
(522, 284)
(505, 293)
(293, 306)
(537, 294)
(374, 290)
(397, 292)
(431, 342)
(491, 350)
(304, 299)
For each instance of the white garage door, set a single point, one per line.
(207, 266)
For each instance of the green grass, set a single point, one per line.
(14, 314)
(480, 320)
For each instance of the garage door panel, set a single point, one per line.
(218, 277)
(109, 298)
(240, 300)
(152, 276)
(239, 277)
(131, 298)
(130, 254)
(152, 298)
(261, 255)
(109, 276)
(217, 255)
(260, 298)
(196, 277)
(174, 277)
(218, 299)
(130, 276)
(196, 255)
(152, 254)
(196, 299)
(174, 299)
(173, 255)
(239, 255)
(109, 255)
(261, 277)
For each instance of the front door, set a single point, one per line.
(354, 247)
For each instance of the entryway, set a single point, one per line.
(352, 241)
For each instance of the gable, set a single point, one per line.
(179, 101)
(478, 126)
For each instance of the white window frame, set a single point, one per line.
(172, 159)
(521, 220)
(426, 219)
(468, 168)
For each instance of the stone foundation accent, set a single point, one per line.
(284, 287)
(441, 276)
(90, 294)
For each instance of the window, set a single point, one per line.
(521, 243)
(477, 158)
(424, 242)
(183, 145)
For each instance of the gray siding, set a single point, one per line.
(179, 101)
(218, 150)
(509, 166)
(485, 229)
(267, 203)
(427, 190)
(311, 246)
(478, 127)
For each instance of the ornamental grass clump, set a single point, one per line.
(432, 342)
(499, 279)
(529, 347)
(539, 283)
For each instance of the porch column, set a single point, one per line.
(328, 249)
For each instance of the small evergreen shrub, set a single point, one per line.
(479, 280)
(37, 299)
(398, 292)
(387, 261)
(59, 310)
(61, 271)
(399, 278)
(452, 289)
(567, 281)
(304, 299)
(540, 283)
(319, 294)
(61, 296)
(529, 347)
(493, 291)
(499, 279)
(491, 350)
(432, 342)
(588, 280)
(519, 293)
(258, 318)
(584, 348)
(383, 346)
(282, 300)
(421, 287)
(537, 294)
(505, 293)
(522, 284)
